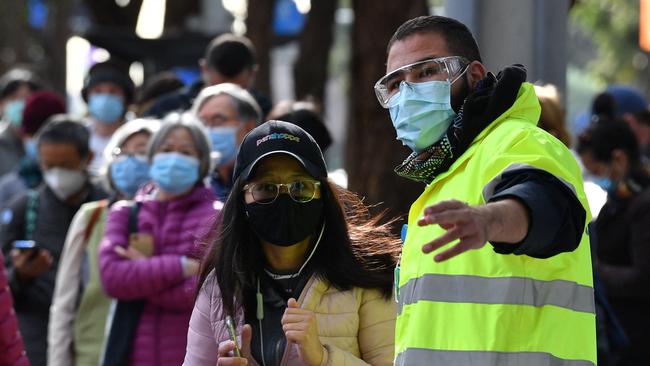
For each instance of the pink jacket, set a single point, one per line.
(356, 327)
(12, 350)
(178, 227)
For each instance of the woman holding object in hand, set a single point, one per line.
(311, 282)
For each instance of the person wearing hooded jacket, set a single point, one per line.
(491, 176)
(306, 282)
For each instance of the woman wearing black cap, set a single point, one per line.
(312, 283)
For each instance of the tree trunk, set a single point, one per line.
(310, 70)
(13, 26)
(55, 41)
(259, 29)
(371, 149)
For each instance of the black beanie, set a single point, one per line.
(107, 71)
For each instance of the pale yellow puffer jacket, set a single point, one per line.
(356, 327)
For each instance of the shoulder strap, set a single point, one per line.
(94, 217)
(31, 213)
(133, 217)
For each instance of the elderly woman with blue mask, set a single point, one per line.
(156, 258)
(80, 305)
(229, 112)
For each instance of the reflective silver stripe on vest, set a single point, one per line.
(497, 290)
(422, 356)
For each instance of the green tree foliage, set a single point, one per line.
(614, 28)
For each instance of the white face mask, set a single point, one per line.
(64, 182)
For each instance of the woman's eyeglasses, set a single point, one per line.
(301, 191)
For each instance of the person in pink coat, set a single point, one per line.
(160, 262)
(12, 350)
(300, 266)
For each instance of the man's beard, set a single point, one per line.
(458, 98)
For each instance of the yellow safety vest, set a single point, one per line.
(483, 308)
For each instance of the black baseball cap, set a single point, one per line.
(279, 137)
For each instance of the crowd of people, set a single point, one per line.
(197, 224)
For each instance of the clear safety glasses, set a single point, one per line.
(441, 69)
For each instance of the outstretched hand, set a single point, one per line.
(505, 221)
(468, 225)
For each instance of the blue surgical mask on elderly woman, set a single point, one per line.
(128, 173)
(174, 172)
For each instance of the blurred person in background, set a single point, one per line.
(640, 125)
(306, 115)
(228, 59)
(312, 284)
(15, 86)
(552, 118)
(108, 91)
(159, 262)
(609, 151)
(80, 306)
(39, 107)
(228, 112)
(628, 104)
(158, 85)
(618, 101)
(41, 218)
(12, 349)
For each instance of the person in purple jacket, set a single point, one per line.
(12, 349)
(159, 263)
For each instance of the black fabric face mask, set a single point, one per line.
(285, 222)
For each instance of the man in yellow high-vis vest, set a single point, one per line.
(492, 176)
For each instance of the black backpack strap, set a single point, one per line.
(31, 214)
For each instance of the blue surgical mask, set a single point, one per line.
(13, 112)
(224, 141)
(421, 113)
(173, 172)
(31, 149)
(106, 108)
(129, 173)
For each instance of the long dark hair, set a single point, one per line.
(355, 250)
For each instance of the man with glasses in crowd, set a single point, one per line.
(229, 112)
(491, 176)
